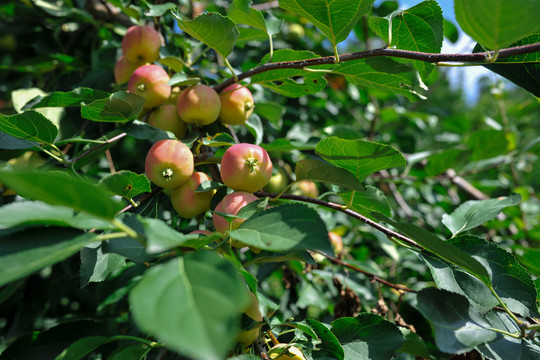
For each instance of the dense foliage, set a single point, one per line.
(401, 220)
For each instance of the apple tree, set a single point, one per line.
(292, 179)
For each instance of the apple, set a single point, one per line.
(150, 82)
(285, 352)
(247, 337)
(236, 104)
(199, 104)
(337, 242)
(186, 201)
(246, 167)
(231, 204)
(165, 117)
(169, 163)
(141, 44)
(123, 70)
(278, 181)
(305, 188)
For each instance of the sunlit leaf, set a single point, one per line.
(192, 304)
(497, 23)
(359, 157)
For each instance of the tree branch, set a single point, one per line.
(475, 58)
(351, 213)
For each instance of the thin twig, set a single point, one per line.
(475, 58)
(368, 274)
(354, 214)
(97, 147)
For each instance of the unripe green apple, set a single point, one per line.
(305, 188)
(186, 201)
(199, 105)
(165, 117)
(141, 44)
(297, 31)
(169, 163)
(231, 204)
(247, 337)
(123, 70)
(150, 82)
(278, 181)
(236, 105)
(285, 352)
(246, 167)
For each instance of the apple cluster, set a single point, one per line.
(170, 108)
(245, 168)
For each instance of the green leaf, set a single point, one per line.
(158, 9)
(142, 131)
(72, 98)
(96, 265)
(217, 31)
(506, 347)
(419, 28)
(281, 80)
(285, 227)
(359, 157)
(413, 344)
(440, 248)
(371, 199)
(316, 170)
(126, 183)
(451, 31)
(241, 12)
(285, 145)
(273, 112)
(181, 79)
(367, 336)
(382, 73)
(192, 304)
(176, 64)
(486, 144)
(59, 188)
(121, 106)
(159, 236)
(35, 213)
(329, 346)
(82, 347)
(511, 281)
(29, 125)
(523, 70)
(458, 326)
(335, 19)
(23, 253)
(132, 352)
(474, 213)
(497, 23)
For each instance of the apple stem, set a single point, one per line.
(167, 173)
(252, 164)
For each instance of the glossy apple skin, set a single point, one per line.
(247, 337)
(236, 105)
(165, 117)
(199, 105)
(246, 167)
(187, 202)
(150, 82)
(141, 44)
(123, 70)
(231, 204)
(169, 163)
